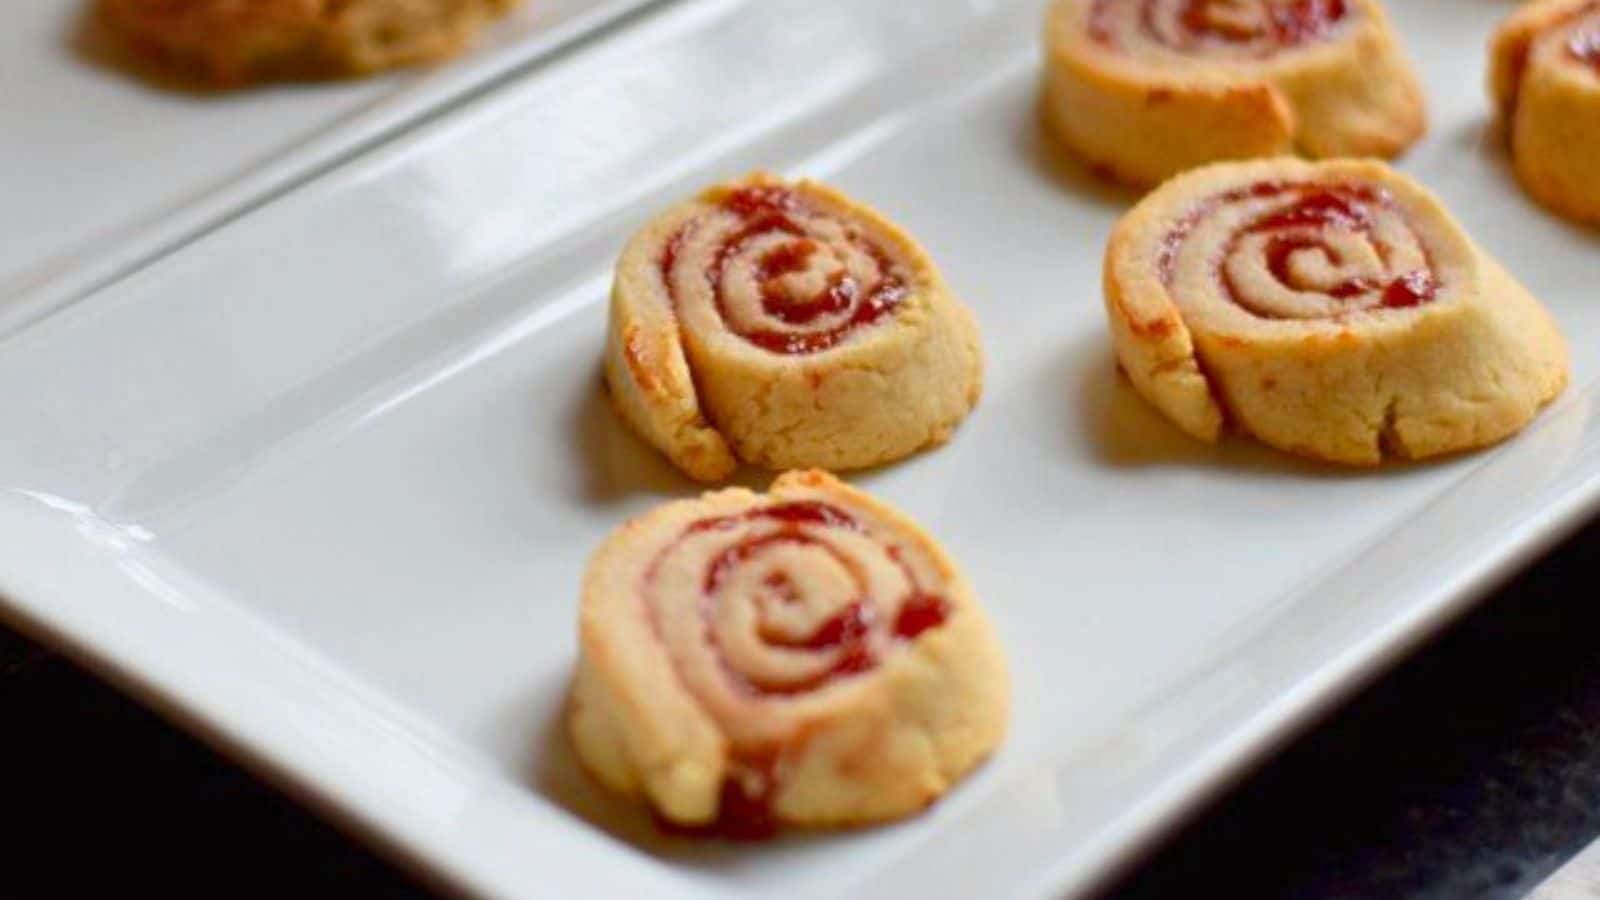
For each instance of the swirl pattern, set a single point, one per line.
(1145, 89)
(1546, 81)
(773, 624)
(1334, 310)
(1285, 250)
(782, 324)
(793, 597)
(783, 275)
(1239, 29)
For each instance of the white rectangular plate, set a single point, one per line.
(324, 481)
(92, 159)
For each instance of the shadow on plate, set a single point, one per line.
(1124, 430)
(1486, 138)
(618, 464)
(553, 771)
(1047, 158)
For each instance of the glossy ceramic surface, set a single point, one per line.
(100, 169)
(323, 482)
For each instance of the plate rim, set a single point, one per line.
(222, 717)
(222, 721)
(237, 195)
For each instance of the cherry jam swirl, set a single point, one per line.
(1584, 44)
(1249, 28)
(848, 643)
(1319, 221)
(813, 290)
(847, 637)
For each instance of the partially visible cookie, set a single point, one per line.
(228, 42)
(1145, 89)
(1545, 79)
(785, 325)
(1334, 310)
(807, 656)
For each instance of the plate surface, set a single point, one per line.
(92, 159)
(330, 500)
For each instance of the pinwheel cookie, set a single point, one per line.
(805, 657)
(785, 325)
(1144, 89)
(1334, 310)
(234, 41)
(1545, 78)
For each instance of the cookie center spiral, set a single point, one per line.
(788, 604)
(1304, 251)
(788, 599)
(1225, 28)
(770, 606)
(783, 274)
(1584, 44)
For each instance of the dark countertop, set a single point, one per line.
(1473, 770)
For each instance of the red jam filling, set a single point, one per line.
(1287, 24)
(918, 614)
(745, 807)
(770, 209)
(1282, 23)
(848, 627)
(1584, 46)
(782, 588)
(1315, 210)
(847, 634)
(1173, 240)
(1344, 208)
(803, 512)
(1281, 250)
(750, 202)
(787, 259)
(669, 258)
(1410, 289)
(743, 815)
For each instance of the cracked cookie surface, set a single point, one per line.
(807, 656)
(784, 325)
(1144, 89)
(1334, 310)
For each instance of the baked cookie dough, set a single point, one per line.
(805, 657)
(1144, 89)
(1545, 79)
(1334, 310)
(785, 325)
(229, 42)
